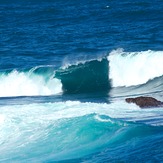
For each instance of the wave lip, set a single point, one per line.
(91, 76)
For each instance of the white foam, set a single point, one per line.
(134, 68)
(24, 84)
(52, 112)
(2, 119)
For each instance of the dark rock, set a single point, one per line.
(145, 102)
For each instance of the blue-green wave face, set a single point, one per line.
(76, 132)
(91, 76)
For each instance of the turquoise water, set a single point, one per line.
(66, 68)
(74, 131)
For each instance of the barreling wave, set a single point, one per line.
(119, 72)
(138, 71)
(90, 76)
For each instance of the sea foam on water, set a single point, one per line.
(134, 68)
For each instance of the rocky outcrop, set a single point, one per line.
(145, 102)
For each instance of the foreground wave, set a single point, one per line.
(74, 130)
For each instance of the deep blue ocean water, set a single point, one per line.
(66, 68)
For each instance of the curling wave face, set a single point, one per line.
(90, 76)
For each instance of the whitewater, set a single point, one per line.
(136, 67)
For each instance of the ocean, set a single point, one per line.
(66, 68)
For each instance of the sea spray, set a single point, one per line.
(28, 84)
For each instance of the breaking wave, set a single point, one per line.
(90, 76)
(140, 71)
(134, 68)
